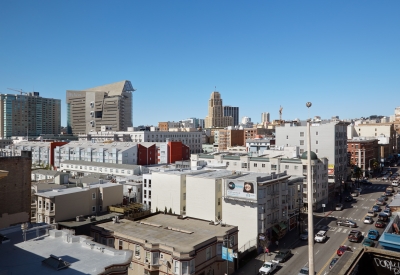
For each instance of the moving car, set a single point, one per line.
(268, 268)
(348, 223)
(304, 235)
(368, 220)
(333, 262)
(342, 249)
(321, 236)
(282, 256)
(380, 224)
(371, 213)
(368, 242)
(395, 183)
(376, 208)
(354, 236)
(339, 207)
(373, 234)
(304, 271)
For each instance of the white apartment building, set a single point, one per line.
(328, 140)
(116, 152)
(85, 168)
(188, 136)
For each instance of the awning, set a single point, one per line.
(282, 226)
(276, 230)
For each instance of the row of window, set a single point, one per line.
(100, 169)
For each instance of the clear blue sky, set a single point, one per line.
(343, 56)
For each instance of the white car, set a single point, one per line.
(321, 236)
(368, 220)
(395, 183)
(268, 268)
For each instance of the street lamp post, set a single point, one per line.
(310, 199)
(369, 166)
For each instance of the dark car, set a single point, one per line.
(333, 262)
(388, 193)
(282, 256)
(304, 235)
(383, 217)
(342, 249)
(380, 224)
(348, 223)
(354, 236)
(376, 208)
(368, 242)
(348, 199)
(384, 197)
(380, 201)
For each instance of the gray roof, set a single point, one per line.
(395, 201)
(155, 230)
(19, 257)
(46, 172)
(61, 192)
(116, 88)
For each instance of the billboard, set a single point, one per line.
(227, 254)
(331, 169)
(241, 189)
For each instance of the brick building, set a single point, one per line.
(363, 152)
(15, 190)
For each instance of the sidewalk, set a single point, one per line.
(288, 242)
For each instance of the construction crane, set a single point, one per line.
(20, 91)
(280, 114)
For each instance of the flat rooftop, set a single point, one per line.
(61, 192)
(84, 255)
(181, 234)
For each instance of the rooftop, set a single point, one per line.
(181, 234)
(83, 255)
(61, 192)
(100, 164)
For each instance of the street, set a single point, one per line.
(337, 235)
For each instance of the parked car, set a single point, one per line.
(387, 212)
(348, 199)
(339, 207)
(384, 197)
(354, 193)
(304, 235)
(282, 256)
(348, 223)
(395, 183)
(380, 201)
(333, 262)
(373, 234)
(354, 236)
(389, 189)
(342, 249)
(268, 268)
(380, 224)
(388, 193)
(304, 271)
(368, 243)
(383, 217)
(376, 208)
(321, 236)
(368, 220)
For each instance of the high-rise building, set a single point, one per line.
(233, 112)
(109, 106)
(216, 116)
(265, 118)
(29, 114)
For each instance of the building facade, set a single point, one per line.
(265, 118)
(233, 112)
(363, 153)
(15, 194)
(328, 140)
(216, 116)
(29, 115)
(225, 138)
(109, 106)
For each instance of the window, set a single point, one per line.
(184, 196)
(110, 242)
(286, 166)
(155, 256)
(316, 142)
(263, 165)
(302, 134)
(176, 267)
(255, 164)
(147, 257)
(120, 244)
(273, 167)
(93, 196)
(301, 151)
(316, 133)
(40, 203)
(100, 208)
(51, 206)
(208, 253)
(244, 165)
(287, 137)
(219, 201)
(93, 208)
(219, 248)
(296, 167)
(301, 142)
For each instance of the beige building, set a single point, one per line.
(63, 204)
(109, 106)
(216, 116)
(29, 114)
(15, 189)
(169, 244)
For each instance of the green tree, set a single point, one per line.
(357, 172)
(170, 211)
(165, 210)
(156, 209)
(375, 164)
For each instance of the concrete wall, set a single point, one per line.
(167, 191)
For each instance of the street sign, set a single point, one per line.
(323, 205)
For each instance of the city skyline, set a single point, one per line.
(260, 56)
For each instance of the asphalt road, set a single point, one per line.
(337, 235)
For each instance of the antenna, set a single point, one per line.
(280, 114)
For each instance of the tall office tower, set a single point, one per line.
(233, 112)
(216, 116)
(109, 105)
(29, 114)
(265, 118)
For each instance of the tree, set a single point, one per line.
(357, 172)
(156, 209)
(375, 164)
(170, 211)
(165, 210)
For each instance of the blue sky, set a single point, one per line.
(343, 56)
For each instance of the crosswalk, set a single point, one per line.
(376, 187)
(338, 229)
